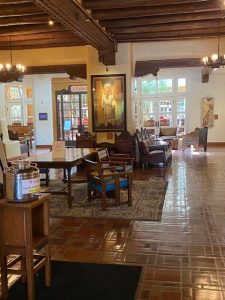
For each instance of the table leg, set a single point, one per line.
(69, 187)
(28, 148)
(4, 280)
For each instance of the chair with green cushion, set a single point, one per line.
(102, 180)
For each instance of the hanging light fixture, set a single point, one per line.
(10, 72)
(216, 60)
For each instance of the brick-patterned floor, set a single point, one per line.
(183, 255)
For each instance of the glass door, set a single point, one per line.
(72, 115)
(161, 102)
(158, 113)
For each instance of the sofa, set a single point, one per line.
(169, 134)
(152, 152)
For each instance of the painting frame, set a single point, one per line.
(208, 112)
(108, 100)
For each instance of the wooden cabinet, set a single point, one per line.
(25, 228)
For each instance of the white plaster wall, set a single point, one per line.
(42, 95)
(196, 89)
(196, 48)
(214, 88)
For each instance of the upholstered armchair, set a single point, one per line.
(124, 147)
(196, 138)
(189, 139)
(103, 180)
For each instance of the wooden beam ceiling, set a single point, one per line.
(96, 4)
(159, 10)
(74, 18)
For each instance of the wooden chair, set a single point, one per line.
(120, 163)
(103, 180)
(83, 140)
(124, 146)
(203, 135)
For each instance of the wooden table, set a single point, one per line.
(73, 157)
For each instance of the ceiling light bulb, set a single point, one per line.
(205, 60)
(50, 22)
(214, 57)
(8, 66)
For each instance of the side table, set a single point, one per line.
(25, 228)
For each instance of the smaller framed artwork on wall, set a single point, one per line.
(108, 102)
(208, 112)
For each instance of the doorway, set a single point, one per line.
(71, 115)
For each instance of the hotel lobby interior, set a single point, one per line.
(106, 69)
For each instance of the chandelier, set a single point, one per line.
(10, 72)
(216, 60)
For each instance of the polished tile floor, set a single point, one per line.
(183, 255)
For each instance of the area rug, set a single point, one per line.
(83, 281)
(147, 196)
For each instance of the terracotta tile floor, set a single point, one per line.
(183, 256)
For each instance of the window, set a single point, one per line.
(165, 86)
(161, 102)
(148, 87)
(19, 104)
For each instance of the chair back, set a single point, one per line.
(102, 154)
(203, 136)
(85, 140)
(92, 167)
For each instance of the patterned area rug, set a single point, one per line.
(147, 196)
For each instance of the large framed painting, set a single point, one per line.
(108, 102)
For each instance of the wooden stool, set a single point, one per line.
(24, 228)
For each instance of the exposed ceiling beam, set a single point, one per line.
(14, 1)
(178, 26)
(73, 70)
(73, 17)
(143, 68)
(40, 40)
(156, 10)
(24, 20)
(36, 36)
(96, 4)
(19, 9)
(163, 35)
(130, 22)
(15, 30)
